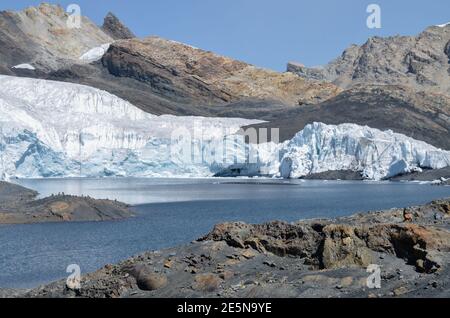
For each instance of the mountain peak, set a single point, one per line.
(420, 61)
(40, 36)
(115, 28)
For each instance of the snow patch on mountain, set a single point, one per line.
(95, 54)
(25, 66)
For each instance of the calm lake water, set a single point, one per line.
(176, 211)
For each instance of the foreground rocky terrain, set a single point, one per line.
(166, 77)
(19, 205)
(314, 258)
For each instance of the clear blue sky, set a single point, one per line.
(266, 33)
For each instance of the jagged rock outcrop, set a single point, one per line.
(159, 76)
(348, 242)
(421, 62)
(115, 28)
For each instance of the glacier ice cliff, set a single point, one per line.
(376, 154)
(55, 129)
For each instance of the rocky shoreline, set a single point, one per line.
(313, 258)
(18, 205)
(441, 176)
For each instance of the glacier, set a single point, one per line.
(56, 129)
(376, 154)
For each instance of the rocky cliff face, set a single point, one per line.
(40, 36)
(315, 258)
(420, 61)
(186, 74)
(115, 28)
(157, 75)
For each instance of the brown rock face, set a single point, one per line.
(418, 245)
(186, 74)
(343, 248)
(347, 243)
(206, 282)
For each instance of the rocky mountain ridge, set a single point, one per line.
(398, 83)
(420, 62)
(421, 114)
(40, 36)
(157, 75)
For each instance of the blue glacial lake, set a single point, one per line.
(171, 212)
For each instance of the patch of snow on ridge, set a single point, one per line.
(57, 129)
(377, 154)
(95, 54)
(24, 67)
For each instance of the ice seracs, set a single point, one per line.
(376, 154)
(56, 129)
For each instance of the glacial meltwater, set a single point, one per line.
(171, 212)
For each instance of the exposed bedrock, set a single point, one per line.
(335, 245)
